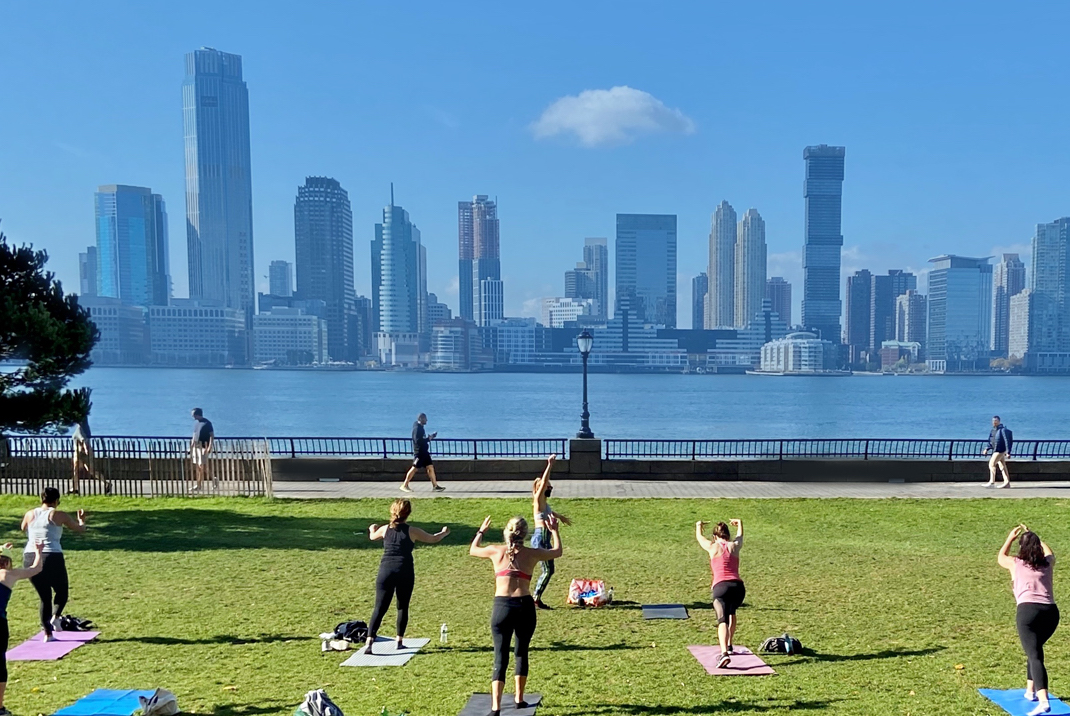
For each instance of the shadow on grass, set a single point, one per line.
(553, 646)
(716, 708)
(192, 529)
(811, 656)
(243, 709)
(218, 639)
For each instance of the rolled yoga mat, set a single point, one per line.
(1013, 702)
(37, 649)
(664, 611)
(744, 661)
(479, 705)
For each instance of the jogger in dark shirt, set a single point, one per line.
(421, 451)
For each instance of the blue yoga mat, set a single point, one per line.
(1013, 702)
(106, 702)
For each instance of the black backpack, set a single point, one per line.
(73, 623)
(1008, 437)
(784, 644)
(352, 631)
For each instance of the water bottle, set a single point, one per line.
(444, 634)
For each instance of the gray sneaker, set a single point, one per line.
(438, 488)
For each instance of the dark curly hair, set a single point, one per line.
(721, 530)
(1031, 551)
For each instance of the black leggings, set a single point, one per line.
(51, 578)
(727, 598)
(393, 579)
(512, 615)
(1036, 624)
(3, 650)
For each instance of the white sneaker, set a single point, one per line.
(1030, 696)
(1041, 708)
(57, 624)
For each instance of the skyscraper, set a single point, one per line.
(859, 297)
(822, 192)
(960, 312)
(280, 278)
(323, 242)
(720, 302)
(219, 190)
(596, 261)
(700, 287)
(479, 268)
(87, 272)
(778, 291)
(131, 253)
(646, 268)
(750, 267)
(399, 275)
(1049, 314)
(1008, 280)
(910, 314)
(884, 290)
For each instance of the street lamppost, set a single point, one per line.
(585, 341)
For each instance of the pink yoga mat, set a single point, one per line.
(36, 649)
(744, 662)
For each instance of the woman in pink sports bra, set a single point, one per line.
(727, 591)
(514, 608)
(1037, 617)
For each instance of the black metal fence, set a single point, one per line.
(863, 449)
(386, 448)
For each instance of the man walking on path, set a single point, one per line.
(200, 446)
(421, 450)
(999, 444)
(83, 458)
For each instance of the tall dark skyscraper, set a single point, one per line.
(323, 240)
(778, 291)
(700, 286)
(1008, 280)
(590, 278)
(479, 268)
(822, 192)
(884, 290)
(646, 268)
(859, 297)
(132, 250)
(219, 190)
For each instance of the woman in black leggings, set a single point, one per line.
(514, 608)
(1037, 616)
(8, 577)
(396, 572)
(45, 525)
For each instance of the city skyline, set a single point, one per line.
(132, 141)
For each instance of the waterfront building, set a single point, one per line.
(197, 333)
(700, 286)
(289, 336)
(266, 303)
(778, 291)
(799, 353)
(323, 241)
(590, 278)
(280, 277)
(123, 331)
(822, 193)
(910, 315)
(556, 312)
(859, 298)
(479, 268)
(721, 311)
(1019, 325)
(744, 349)
(1008, 280)
(750, 265)
(884, 291)
(456, 344)
(131, 251)
(87, 272)
(517, 341)
(646, 268)
(361, 325)
(219, 189)
(1050, 284)
(960, 308)
(399, 287)
(437, 312)
(892, 352)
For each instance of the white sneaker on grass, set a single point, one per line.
(1042, 708)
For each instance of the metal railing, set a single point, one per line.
(861, 448)
(386, 448)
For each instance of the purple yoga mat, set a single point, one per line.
(744, 662)
(36, 649)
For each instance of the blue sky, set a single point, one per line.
(953, 115)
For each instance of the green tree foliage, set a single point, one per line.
(45, 339)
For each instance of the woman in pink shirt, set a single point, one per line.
(728, 590)
(1037, 615)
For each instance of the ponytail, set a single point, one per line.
(515, 532)
(399, 511)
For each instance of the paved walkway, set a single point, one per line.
(516, 489)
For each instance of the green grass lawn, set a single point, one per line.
(221, 601)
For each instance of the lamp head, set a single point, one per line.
(584, 342)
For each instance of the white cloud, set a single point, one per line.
(531, 308)
(614, 116)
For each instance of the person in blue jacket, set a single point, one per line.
(999, 444)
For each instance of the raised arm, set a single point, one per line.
(703, 542)
(65, 519)
(542, 482)
(477, 549)
(418, 535)
(1004, 557)
(738, 524)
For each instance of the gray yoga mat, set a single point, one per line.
(664, 611)
(479, 705)
(386, 653)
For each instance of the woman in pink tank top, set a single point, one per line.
(727, 591)
(1037, 616)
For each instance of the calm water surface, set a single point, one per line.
(156, 401)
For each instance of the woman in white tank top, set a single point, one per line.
(44, 525)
